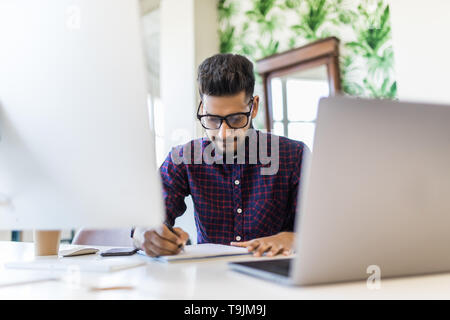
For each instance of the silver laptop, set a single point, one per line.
(376, 195)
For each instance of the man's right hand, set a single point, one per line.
(160, 241)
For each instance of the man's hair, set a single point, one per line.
(226, 75)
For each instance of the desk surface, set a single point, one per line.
(210, 279)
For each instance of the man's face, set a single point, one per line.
(225, 138)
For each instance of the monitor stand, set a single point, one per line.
(46, 243)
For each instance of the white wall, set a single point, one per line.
(188, 36)
(420, 40)
(177, 56)
(206, 41)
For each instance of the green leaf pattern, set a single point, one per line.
(259, 28)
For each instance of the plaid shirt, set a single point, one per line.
(234, 202)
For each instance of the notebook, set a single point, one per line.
(202, 251)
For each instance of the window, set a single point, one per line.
(294, 81)
(295, 102)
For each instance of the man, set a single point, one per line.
(234, 202)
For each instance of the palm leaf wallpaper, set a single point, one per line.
(259, 28)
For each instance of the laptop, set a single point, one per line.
(375, 195)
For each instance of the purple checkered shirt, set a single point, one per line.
(234, 202)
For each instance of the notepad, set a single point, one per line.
(202, 251)
(89, 265)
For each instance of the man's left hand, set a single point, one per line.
(280, 243)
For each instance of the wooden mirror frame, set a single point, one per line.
(322, 52)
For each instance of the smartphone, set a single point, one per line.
(114, 252)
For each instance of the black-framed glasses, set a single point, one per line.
(236, 120)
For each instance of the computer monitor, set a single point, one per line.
(76, 148)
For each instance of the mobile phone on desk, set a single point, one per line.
(116, 252)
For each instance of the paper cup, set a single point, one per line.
(46, 243)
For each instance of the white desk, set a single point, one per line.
(202, 280)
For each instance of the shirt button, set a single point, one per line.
(238, 238)
(236, 182)
(239, 210)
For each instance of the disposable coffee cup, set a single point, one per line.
(46, 242)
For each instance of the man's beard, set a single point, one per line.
(228, 146)
(232, 144)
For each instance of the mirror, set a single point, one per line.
(294, 82)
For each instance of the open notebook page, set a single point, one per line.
(204, 250)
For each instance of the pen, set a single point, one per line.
(188, 242)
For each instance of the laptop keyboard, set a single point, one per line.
(278, 266)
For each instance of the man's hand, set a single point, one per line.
(160, 241)
(281, 243)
